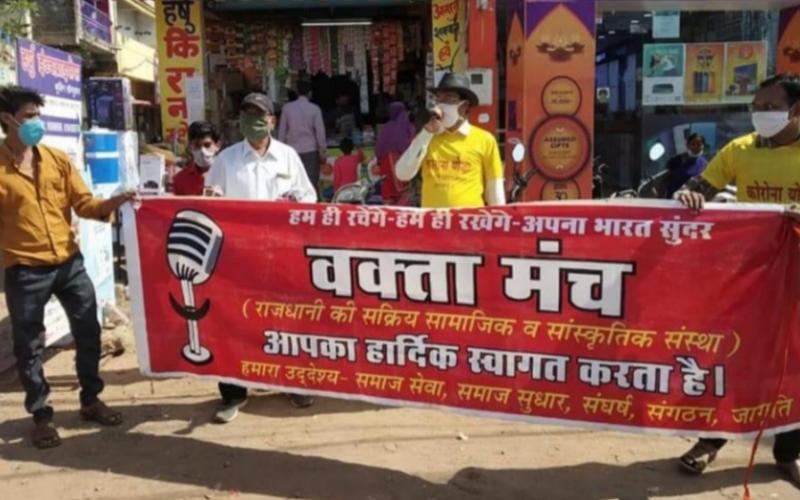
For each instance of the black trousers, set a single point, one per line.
(28, 289)
(231, 393)
(311, 163)
(786, 449)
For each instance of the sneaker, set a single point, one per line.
(227, 412)
(792, 469)
(300, 401)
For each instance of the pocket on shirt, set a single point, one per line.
(55, 191)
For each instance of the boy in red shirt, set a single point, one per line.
(345, 169)
(204, 144)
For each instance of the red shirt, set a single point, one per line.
(345, 170)
(189, 181)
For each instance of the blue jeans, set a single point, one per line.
(28, 289)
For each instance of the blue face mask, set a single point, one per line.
(31, 132)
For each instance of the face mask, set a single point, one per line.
(30, 132)
(254, 129)
(450, 115)
(768, 124)
(696, 155)
(203, 157)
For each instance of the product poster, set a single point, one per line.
(746, 67)
(663, 74)
(705, 69)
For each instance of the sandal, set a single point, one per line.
(699, 457)
(102, 414)
(45, 435)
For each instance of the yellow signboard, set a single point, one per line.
(179, 31)
(449, 37)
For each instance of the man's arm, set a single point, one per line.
(494, 183)
(411, 160)
(719, 173)
(86, 205)
(216, 176)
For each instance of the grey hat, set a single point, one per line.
(457, 82)
(260, 101)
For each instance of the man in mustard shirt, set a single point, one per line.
(765, 166)
(39, 189)
(460, 162)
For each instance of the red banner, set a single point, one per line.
(624, 317)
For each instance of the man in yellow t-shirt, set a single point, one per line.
(765, 166)
(460, 162)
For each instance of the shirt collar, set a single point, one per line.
(248, 150)
(464, 128)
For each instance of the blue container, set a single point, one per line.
(102, 155)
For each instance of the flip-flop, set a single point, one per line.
(45, 435)
(102, 414)
(698, 458)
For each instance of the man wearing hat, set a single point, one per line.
(258, 168)
(460, 162)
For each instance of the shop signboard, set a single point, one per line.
(745, 68)
(8, 73)
(705, 69)
(56, 75)
(449, 36)
(179, 29)
(663, 74)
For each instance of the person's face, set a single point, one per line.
(25, 113)
(451, 97)
(774, 98)
(253, 112)
(206, 143)
(695, 146)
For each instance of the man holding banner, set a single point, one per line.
(765, 165)
(40, 190)
(258, 168)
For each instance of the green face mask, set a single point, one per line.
(254, 129)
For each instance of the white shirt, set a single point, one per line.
(239, 172)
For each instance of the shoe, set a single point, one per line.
(100, 413)
(227, 412)
(792, 469)
(698, 458)
(300, 401)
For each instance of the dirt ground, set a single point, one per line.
(339, 450)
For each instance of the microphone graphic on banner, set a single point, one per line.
(193, 245)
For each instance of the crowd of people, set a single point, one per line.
(458, 163)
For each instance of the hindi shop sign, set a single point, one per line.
(179, 29)
(642, 318)
(56, 75)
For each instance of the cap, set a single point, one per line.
(260, 101)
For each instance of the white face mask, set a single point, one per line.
(450, 115)
(696, 155)
(203, 157)
(768, 124)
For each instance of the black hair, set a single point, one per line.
(790, 83)
(12, 98)
(201, 130)
(346, 145)
(303, 88)
(695, 135)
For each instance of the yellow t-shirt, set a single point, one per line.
(457, 166)
(762, 174)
